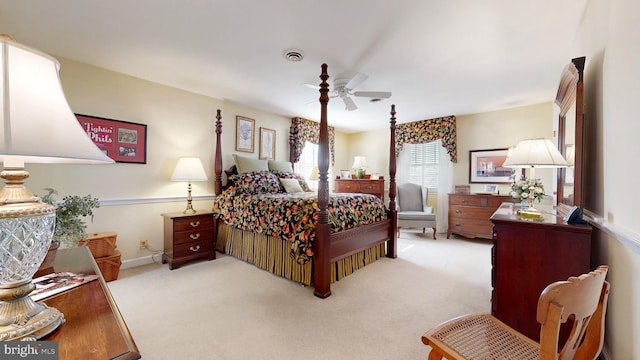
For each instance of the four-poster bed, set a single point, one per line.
(335, 251)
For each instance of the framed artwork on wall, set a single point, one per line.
(123, 141)
(267, 144)
(485, 166)
(245, 134)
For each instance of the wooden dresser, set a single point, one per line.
(469, 214)
(363, 186)
(527, 256)
(188, 237)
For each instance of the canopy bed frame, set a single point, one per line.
(331, 247)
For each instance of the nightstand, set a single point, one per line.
(363, 186)
(188, 237)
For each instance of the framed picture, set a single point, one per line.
(123, 141)
(491, 189)
(485, 166)
(345, 174)
(462, 189)
(245, 135)
(267, 144)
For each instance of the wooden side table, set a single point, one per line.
(188, 237)
(94, 327)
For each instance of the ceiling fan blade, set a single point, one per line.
(373, 94)
(312, 86)
(356, 80)
(349, 104)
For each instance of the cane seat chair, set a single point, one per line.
(481, 336)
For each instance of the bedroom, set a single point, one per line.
(183, 120)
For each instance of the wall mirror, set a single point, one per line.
(569, 101)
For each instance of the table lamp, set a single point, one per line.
(37, 127)
(360, 164)
(189, 169)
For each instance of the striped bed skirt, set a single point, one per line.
(272, 254)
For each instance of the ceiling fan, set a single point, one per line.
(344, 89)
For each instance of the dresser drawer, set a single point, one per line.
(347, 186)
(193, 222)
(193, 248)
(371, 188)
(182, 237)
(481, 213)
(482, 228)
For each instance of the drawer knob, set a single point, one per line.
(458, 212)
(464, 201)
(195, 248)
(195, 224)
(458, 224)
(194, 236)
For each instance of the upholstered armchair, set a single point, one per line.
(413, 211)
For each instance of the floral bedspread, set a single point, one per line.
(293, 216)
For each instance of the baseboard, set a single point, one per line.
(141, 261)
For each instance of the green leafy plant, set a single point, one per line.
(70, 214)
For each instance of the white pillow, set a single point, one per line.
(291, 185)
(283, 166)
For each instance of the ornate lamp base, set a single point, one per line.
(22, 318)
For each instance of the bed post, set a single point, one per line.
(321, 256)
(218, 156)
(291, 141)
(392, 246)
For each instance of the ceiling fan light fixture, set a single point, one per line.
(293, 55)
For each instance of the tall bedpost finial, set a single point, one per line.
(218, 155)
(322, 264)
(392, 247)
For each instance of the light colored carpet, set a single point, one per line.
(227, 309)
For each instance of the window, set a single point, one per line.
(308, 160)
(424, 162)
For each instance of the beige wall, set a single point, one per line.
(608, 39)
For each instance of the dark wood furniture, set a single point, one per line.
(94, 327)
(363, 186)
(330, 247)
(571, 125)
(188, 237)
(528, 255)
(469, 214)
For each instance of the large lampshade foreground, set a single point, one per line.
(37, 123)
(539, 153)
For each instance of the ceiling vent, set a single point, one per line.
(293, 55)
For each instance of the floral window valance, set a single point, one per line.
(424, 131)
(303, 130)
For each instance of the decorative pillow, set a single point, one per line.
(245, 164)
(292, 175)
(291, 185)
(257, 182)
(283, 166)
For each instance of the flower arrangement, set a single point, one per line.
(70, 227)
(527, 189)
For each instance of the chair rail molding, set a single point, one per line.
(625, 236)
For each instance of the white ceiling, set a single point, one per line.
(439, 58)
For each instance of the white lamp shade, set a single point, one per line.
(315, 173)
(37, 123)
(189, 169)
(539, 153)
(359, 162)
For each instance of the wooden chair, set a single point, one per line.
(413, 211)
(481, 336)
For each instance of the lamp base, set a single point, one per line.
(21, 318)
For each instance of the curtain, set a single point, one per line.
(424, 131)
(303, 130)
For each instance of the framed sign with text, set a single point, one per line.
(122, 141)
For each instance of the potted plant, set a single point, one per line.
(70, 226)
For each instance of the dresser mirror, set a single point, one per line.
(569, 103)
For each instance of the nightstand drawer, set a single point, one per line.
(191, 236)
(193, 248)
(193, 222)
